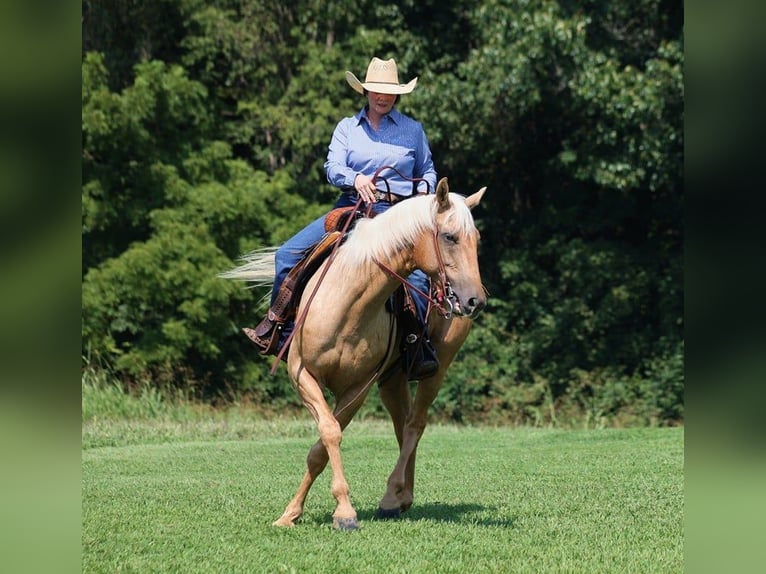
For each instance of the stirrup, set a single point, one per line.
(265, 336)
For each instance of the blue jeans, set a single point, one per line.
(288, 255)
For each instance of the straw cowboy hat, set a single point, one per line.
(382, 77)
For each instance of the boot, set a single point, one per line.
(266, 335)
(272, 332)
(420, 361)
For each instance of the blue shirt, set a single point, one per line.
(400, 142)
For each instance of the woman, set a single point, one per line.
(378, 135)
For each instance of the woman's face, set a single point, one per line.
(381, 103)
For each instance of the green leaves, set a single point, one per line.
(629, 134)
(205, 127)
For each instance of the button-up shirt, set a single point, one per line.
(400, 142)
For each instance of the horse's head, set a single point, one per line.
(450, 255)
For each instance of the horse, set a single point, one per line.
(343, 341)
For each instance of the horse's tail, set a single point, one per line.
(257, 268)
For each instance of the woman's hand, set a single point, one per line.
(365, 188)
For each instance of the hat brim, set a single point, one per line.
(395, 89)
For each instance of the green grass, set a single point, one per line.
(194, 496)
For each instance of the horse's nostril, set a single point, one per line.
(475, 304)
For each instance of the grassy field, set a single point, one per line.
(191, 496)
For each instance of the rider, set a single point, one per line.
(378, 135)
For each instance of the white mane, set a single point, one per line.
(378, 238)
(398, 228)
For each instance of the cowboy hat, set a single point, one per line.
(382, 77)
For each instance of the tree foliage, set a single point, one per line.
(205, 126)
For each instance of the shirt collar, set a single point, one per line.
(394, 114)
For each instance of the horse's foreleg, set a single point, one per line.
(401, 483)
(396, 397)
(330, 432)
(416, 426)
(316, 461)
(448, 337)
(315, 464)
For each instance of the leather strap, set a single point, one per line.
(305, 310)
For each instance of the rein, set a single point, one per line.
(443, 301)
(412, 179)
(305, 311)
(445, 295)
(299, 321)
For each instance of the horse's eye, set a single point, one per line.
(450, 237)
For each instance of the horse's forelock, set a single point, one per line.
(460, 214)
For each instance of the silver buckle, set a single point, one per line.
(392, 198)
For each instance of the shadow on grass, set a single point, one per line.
(437, 512)
(462, 513)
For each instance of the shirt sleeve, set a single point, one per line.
(338, 172)
(424, 165)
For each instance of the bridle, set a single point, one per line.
(443, 299)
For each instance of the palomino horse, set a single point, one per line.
(345, 340)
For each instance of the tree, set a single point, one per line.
(204, 137)
(576, 128)
(164, 211)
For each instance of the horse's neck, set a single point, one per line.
(366, 290)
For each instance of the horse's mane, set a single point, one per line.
(398, 228)
(378, 238)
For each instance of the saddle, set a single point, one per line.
(419, 358)
(267, 333)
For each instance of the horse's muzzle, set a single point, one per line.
(475, 306)
(471, 308)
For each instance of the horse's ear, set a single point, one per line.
(473, 200)
(442, 194)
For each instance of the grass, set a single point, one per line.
(191, 493)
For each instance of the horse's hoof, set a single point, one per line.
(345, 524)
(389, 513)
